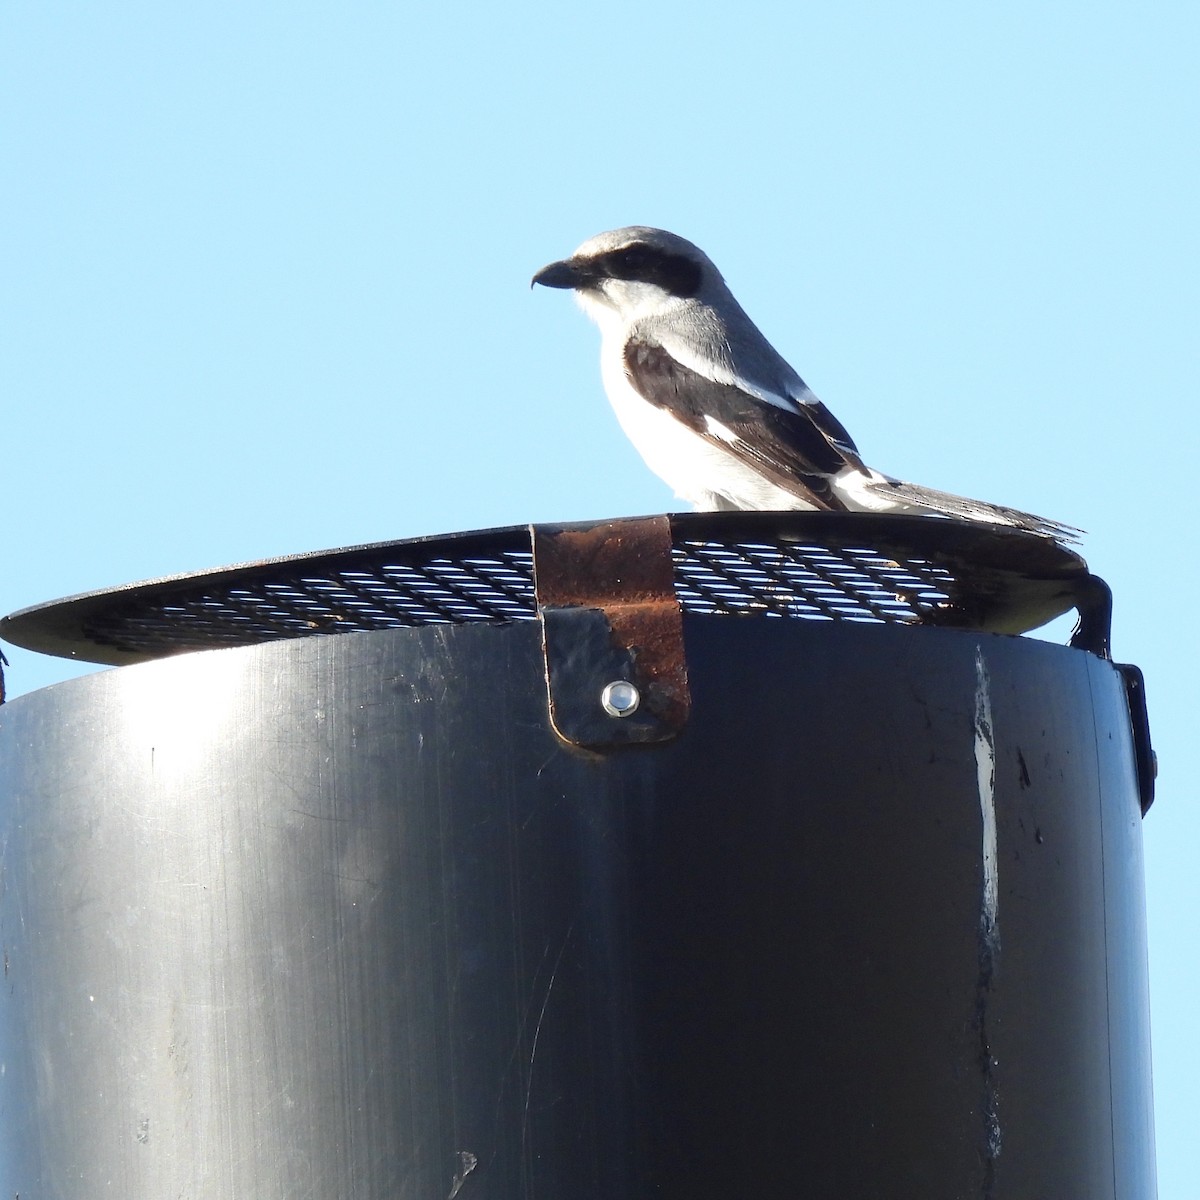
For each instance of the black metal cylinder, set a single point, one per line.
(342, 916)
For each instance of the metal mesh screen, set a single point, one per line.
(807, 566)
(804, 581)
(389, 595)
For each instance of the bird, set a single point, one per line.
(713, 409)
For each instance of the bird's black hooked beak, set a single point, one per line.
(565, 274)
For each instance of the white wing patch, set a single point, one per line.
(722, 432)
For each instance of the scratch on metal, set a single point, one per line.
(537, 1031)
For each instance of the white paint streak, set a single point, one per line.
(985, 768)
(467, 1162)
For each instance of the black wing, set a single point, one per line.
(797, 450)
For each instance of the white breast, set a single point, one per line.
(695, 469)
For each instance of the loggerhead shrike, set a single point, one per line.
(712, 407)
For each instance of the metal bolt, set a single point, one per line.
(620, 699)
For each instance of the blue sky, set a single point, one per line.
(264, 288)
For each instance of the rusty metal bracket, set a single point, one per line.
(612, 631)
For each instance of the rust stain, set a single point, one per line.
(611, 562)
(624, 569)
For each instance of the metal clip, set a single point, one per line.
(1144, 758)
(612, 631)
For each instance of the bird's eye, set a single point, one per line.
(634, 258)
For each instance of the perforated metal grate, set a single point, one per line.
(807, 581)
(810, 566)
(802, 581)
(387, 595)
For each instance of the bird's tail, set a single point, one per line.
(911, 497)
